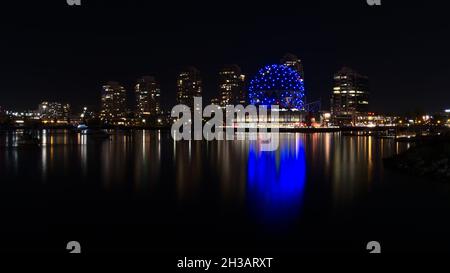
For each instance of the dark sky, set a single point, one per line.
(50, 51)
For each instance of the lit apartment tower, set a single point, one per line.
(231, 86)
(350, 96)
(294, 62)
(54, 111)
(148, 97)
(189, 85)
(113, 102)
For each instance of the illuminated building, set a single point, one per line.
(350, 96)
(446, 116)
(277, 85)
(282, 86)
(189, 85)
(375, 120)
(148, 98)
(86, 114)
(231, 86)
(293, 62)
(325, 118)
(54, 111)
(113, 108)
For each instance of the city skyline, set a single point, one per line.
(131, 95)
(144, 97)
(232, 88)
(68, 61)
(225, 135)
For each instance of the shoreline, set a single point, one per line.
(430, 158)
(130, 128)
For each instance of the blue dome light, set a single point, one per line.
(277, 85)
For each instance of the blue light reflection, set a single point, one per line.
(276, 181)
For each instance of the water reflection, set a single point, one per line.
(232, 176)
(334, 168)
(131, 159)
(276, 180)
(188, 169)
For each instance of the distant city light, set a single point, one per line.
(447, 111)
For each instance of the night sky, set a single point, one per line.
(51, 51)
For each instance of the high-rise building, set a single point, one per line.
(54, 111)
(231, 86)
(350, 96)
(148, 97)
(189, 85)
(293, 62)
(113, 102)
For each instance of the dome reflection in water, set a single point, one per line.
(276, 182)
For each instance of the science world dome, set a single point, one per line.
(277, 85)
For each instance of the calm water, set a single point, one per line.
(142, 191)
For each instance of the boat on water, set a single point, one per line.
(82, 127)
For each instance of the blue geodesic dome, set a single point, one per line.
(277, 85)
